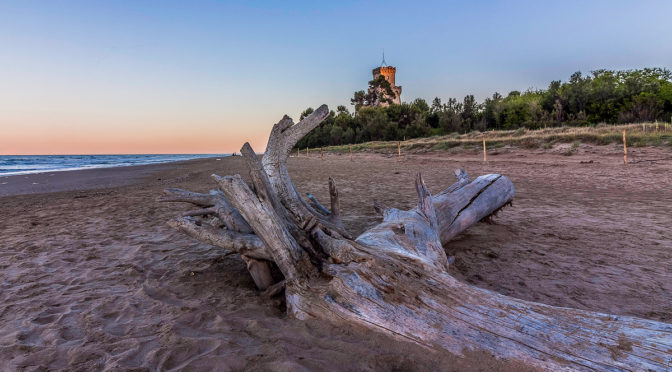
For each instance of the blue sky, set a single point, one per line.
(157, 76)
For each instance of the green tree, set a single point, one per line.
(340, 109)
(380, 91)
(306, 112)
(336, 135)
(491, 110)
(358, 100)
(420, 105)
(470, 112)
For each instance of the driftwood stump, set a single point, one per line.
(393, 278)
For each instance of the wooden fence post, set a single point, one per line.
(321, 153)
(298, 153)
(625, 149)
(350, 152)
(485, 156)
(399, 150)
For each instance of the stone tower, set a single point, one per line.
(388, 72)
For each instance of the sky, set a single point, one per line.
(132, 77)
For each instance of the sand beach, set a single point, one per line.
(92, 278)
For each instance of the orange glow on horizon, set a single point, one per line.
(102, 147)
(75, 137)
(185, 144)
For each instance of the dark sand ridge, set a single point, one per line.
(94, 279)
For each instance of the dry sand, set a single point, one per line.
(91, 278)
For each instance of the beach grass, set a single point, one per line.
(638, 135)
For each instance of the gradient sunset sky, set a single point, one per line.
(108, 77)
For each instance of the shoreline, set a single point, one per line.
(125, 175)
(86, 179)
(104, 164)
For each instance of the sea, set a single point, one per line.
(26, 164)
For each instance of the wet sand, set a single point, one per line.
(91, 277)
(86, 179)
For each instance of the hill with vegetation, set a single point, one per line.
(603, 97)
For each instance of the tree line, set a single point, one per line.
(604, 96)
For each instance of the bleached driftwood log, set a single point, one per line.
(393, 277)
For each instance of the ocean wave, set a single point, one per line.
(28, 164)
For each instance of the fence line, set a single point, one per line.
(650, 133)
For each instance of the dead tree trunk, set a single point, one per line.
(393, 277)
